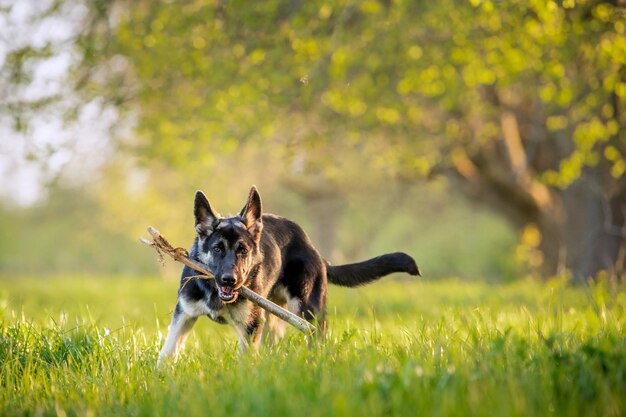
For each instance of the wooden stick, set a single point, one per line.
(179, 254)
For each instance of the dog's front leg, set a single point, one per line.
(178, 331)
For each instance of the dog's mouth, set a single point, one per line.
(226, 294)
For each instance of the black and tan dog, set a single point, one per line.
(273, 257)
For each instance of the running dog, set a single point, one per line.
(273, 257)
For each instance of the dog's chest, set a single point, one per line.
(236, 313)
(199, 307)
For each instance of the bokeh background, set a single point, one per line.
(485, 138)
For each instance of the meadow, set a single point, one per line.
(79, 346)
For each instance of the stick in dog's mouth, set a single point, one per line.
(179, 254)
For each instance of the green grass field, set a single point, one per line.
(87, 346)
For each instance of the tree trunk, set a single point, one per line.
(591, 234)
(583, 230)
(582, 227)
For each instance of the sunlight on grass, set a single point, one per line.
(87, 346)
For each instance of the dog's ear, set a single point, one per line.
(205, 217)
(251, 214)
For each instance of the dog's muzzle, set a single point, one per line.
(226, 289)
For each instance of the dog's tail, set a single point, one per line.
(361, 273)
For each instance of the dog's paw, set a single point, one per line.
(163, 359)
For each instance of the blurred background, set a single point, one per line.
(485, 138)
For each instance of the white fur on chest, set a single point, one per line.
(234, 314)
(238, 313)
(197, 308)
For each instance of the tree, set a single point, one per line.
(519, 103)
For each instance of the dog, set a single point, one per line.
(272, 256)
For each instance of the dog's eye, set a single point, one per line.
(217, 249)
(243, 252)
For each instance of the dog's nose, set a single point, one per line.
(228, 280)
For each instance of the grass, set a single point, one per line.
(87, 346)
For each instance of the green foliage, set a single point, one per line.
(401, 83)
(514, 100)
(413, 347)
(328, 97)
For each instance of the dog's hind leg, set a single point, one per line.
(305, 280)
(177, 334)
(273, 331)
(317, 318)
(313, 306)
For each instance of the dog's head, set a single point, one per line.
(229, 246)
